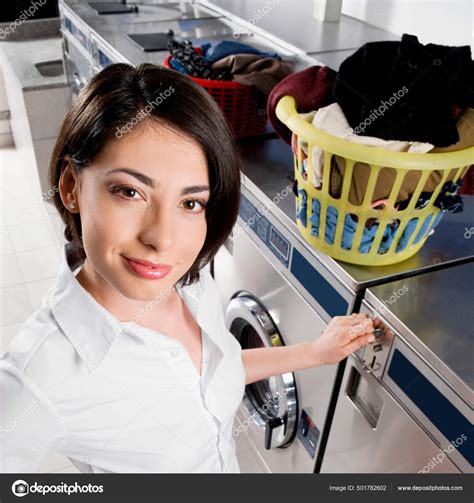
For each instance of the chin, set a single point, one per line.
(146, 290)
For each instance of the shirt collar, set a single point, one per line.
(92, 329)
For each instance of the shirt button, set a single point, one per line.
(118, 330)
(174, 353)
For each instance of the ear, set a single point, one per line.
(69, 183)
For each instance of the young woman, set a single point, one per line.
(128, 366)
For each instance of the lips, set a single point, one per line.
(148, 263)
(147, 270)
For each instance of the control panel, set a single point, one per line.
(374, 355)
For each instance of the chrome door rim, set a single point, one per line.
(247, 308)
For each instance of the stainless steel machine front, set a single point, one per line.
(282, 419)
(406, 404)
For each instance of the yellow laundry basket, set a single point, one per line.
(450, 165)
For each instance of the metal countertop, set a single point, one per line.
(294, 23)
(146, 13)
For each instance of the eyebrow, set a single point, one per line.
(146, 180)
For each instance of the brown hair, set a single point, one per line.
(111, 101)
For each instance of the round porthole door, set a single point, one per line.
(271, 404)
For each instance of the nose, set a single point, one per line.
(159, 229)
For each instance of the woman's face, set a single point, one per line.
(149, 216)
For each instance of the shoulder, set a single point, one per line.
(40, 351)
(30, 371)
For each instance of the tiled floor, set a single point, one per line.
(29, 252)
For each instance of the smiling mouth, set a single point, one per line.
(147, 263)
(145, 271)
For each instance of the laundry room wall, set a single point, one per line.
(432, 21)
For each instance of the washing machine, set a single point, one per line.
(275, 293)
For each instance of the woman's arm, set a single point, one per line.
(343, 336)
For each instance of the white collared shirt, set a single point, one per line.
(116, 396)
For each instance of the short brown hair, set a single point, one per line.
(110, 102)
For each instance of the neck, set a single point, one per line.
(123, 308)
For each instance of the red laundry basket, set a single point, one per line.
(244, 107)
(467, 186)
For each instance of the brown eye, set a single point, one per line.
(129, 192)
(126, 192)
(192, 204)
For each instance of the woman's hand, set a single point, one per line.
(343, 336)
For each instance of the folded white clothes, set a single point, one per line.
(331, 119)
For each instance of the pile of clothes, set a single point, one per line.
(229, 60)
(444, 200)
(400, 96)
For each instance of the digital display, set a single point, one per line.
(264, 230)
(279, 243)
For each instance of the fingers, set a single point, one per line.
(358, 343)
(353, 319)
(364, 326)
(354, 332)
(364, 339)
(359, 322)
(349, 333)
(377, 322)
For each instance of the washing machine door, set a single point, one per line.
(270, 404)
